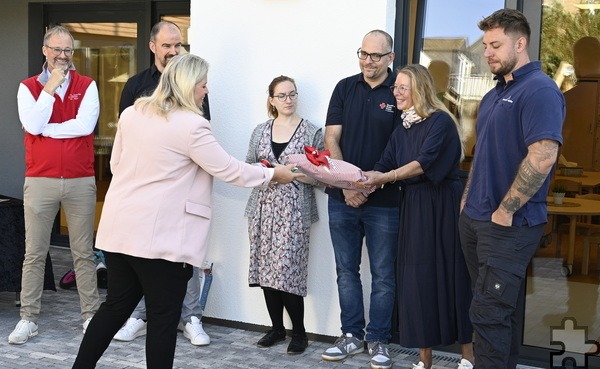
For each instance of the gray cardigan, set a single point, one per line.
(314, 138)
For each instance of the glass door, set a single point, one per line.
(111, 45)
(562, 295)
(105, 52)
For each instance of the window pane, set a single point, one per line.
(563, 284)
(453, 52)
(105, 52)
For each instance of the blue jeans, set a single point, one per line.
(348, 227)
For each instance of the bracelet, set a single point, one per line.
(395, 177)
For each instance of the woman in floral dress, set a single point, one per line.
(280, 216)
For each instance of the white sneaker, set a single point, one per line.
(86, 323)
(194, 332)
(464, 364)
(22, 332)
(420, 365)
(133, 328)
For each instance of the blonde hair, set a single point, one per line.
(175, 90)
(425, 99)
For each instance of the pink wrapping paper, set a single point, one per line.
(340, 174)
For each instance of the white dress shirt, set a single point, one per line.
(35, 115)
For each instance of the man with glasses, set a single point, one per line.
(58, 110)
(360, 120)
(165, 43)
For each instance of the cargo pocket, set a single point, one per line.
(503, 285)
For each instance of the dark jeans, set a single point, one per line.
(497, 258)
(163, 283)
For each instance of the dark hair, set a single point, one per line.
(510, 20)
(157, 27)
(271, 110)
(389, 41)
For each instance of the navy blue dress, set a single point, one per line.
(434, 289)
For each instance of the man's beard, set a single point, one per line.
(166, 60)
(507, 67)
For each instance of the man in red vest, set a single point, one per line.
(58, 110)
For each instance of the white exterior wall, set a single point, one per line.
(248, 43)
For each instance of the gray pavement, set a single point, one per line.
(60, 333)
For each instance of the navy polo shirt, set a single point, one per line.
(144, 84)
(511, 117)
(368, 117)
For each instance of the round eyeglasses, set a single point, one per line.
(282, 97)
(363, 55)
(57, 50)
(401, 89)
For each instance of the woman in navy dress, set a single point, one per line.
(423, 158)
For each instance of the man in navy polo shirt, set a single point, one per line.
(360, 121)
(519, 129)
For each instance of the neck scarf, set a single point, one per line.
(410, 117)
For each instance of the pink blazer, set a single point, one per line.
(158, 205)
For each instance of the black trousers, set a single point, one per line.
(163, 283)
(497, 258)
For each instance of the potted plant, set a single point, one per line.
(558, 191)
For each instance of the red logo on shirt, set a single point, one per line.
(382, 105)
(74, 96)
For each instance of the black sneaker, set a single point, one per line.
(272, 337)
(298, 344)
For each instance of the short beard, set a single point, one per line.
(507, 67)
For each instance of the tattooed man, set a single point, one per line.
(504, 204)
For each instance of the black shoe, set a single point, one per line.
(298, 344)
(272, 337)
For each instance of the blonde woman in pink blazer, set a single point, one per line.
(156, 216)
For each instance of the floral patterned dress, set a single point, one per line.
(279, 237)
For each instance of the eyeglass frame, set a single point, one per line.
(57, 50)
(285, 97)
(401, 89)
(373, 56)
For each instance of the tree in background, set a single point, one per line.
(560, 31)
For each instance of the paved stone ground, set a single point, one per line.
(60, 334)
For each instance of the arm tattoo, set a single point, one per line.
(512, 204)
(467, 188)
(531, 175)
(529, 179)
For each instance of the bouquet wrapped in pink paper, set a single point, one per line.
(336, 173)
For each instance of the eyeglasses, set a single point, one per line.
(363, 55)
(401, 89)
(283, 97)
(57, 50)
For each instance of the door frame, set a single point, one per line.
(144, 13)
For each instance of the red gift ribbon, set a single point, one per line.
(317, 158)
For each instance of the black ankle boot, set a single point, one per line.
(298, 344)
(272, 337)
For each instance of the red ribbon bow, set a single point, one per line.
(317, 158)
